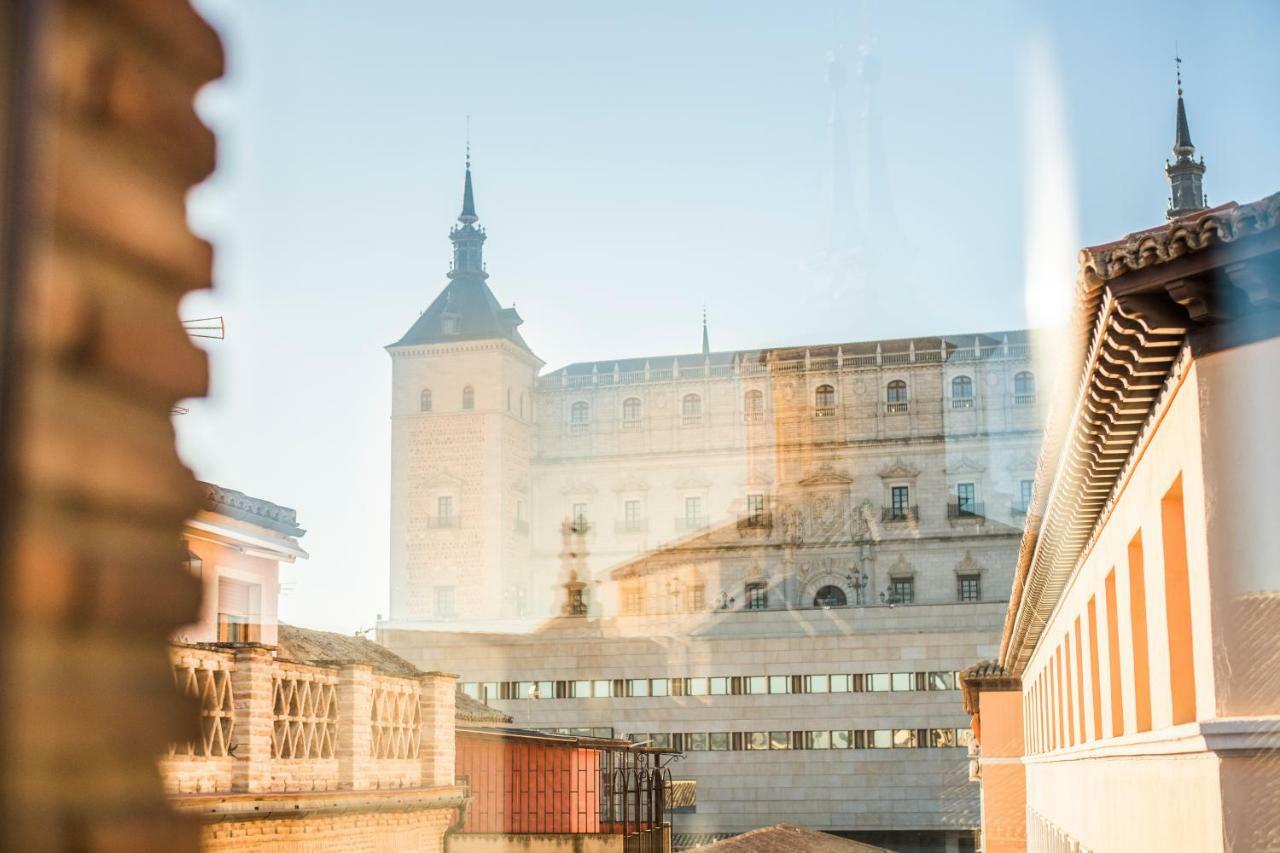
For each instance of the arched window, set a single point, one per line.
(468, 398)
(830, 596)
(824, 399)
(962, 393)
(579, 416)
(691, 409)
(631, 411)
(424, 400)
(896, 396)
(1024, 387)
(753, 405)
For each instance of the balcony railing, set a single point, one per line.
(691, 420)
(962, 402)
(579, 427)
(630, 424)
(900, 514)
(440, 522)
(965, 510)
(634, 525)
(579, 525)
(755, 521)
(237, 628)
(825, 412)
(897, 408)
(1024, 399)
(752, 417)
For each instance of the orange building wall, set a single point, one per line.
(1004, 782)
(529, 786)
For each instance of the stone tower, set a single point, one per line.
(1186, 175)
(461, 440)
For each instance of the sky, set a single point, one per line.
(636, 162)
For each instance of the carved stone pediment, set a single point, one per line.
(693, 482)
(439, 478)
(965, 465)
(1023, 462)
(901, 568)
(826, 475)
(899, 470)
(631, 484)
(968, 566)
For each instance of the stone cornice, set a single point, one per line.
(242, 507)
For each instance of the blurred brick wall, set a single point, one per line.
(95, 494)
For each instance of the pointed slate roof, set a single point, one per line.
(476, 311)
(1182, 142)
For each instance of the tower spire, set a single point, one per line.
(706, 340)
(468, 240)
(1186, 175)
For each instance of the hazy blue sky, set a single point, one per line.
(633, 162)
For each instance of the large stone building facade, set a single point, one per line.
(759, 557)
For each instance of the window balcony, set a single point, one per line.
(899, 515)
(962, 402)
(237, 628)
(634, 525)
(1017, 508)
(755, 521)
(579, 427)
(579, 525)
(630, 424)
(968, 510)
(690, 420)
(753, 417)
(1024, 399)
(440, 522)
(897, 408)
(825, 412)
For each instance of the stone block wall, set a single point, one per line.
(99, 145)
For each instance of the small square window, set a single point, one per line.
(779, 684)
(581, 689)
(695, 741)
(902, 590)
(904, 738)
(941, 681)
(840, 740)
(881, 738)
(757, 596)
(697, 687)
(779, 740)
(878, 682)
(639, 686)
(969, 588)
(817, 683)
(757, 740)
(757, 684)
(718, 741)
(942, 738)
(719, 686)
(903, 681)
(660, 687)
(661, 740)
(602, 689)
(819, 740)
(841, 683)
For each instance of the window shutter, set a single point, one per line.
(233, 597)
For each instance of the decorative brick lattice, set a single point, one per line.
(304, 712)
(394, 719)
(212, 687)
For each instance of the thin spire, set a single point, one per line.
(1185, 174)
(706, 340)
(468, 214)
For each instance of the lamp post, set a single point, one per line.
(858, 581)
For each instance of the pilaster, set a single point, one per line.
(251, 687)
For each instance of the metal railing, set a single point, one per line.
(890, 514)
(1024, 399)
(962, 402)
(439, 522)
(898, 407)
(756, 521)
(965, 509)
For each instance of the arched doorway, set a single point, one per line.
(830, 596)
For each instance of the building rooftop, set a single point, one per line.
(787, 838)
(242, 507)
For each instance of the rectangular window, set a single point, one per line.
(966, 499)
(639, 687)
(524, 689)
(580, 515)
(601, 688)
(489, 691)
(779, 684)
(471, 689)
(904, 739)
(633, 600)
(942, 738)
(640, 737)
(817, 684)
(660, 687)
(878, 682)
(819, 740)
(757, 596)
(1113, 655)
(757, 740)
(1095, 681)
(880, 738)
(719, 686)
(1024, 494)
(239, 611)
(718, 741)
(757, 684)
(840, 740)
(581, 689)
(697, 687)
(755, 509)
(698, 597)
(693, 511)
(444, 508)
(903, 681)
(695, 741)
(969, 588)
(779, 740)
(899, 500)
(444, 602)
(1138, 624)
(841, 683)
(1177, 602)
(661, 740)
(631, 515)
(902, 590)
(941, 681)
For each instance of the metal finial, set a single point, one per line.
(1177, 59)
(468, 141)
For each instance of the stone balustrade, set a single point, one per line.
(270, 725)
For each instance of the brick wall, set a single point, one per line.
(101, 145)
(380, 832)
